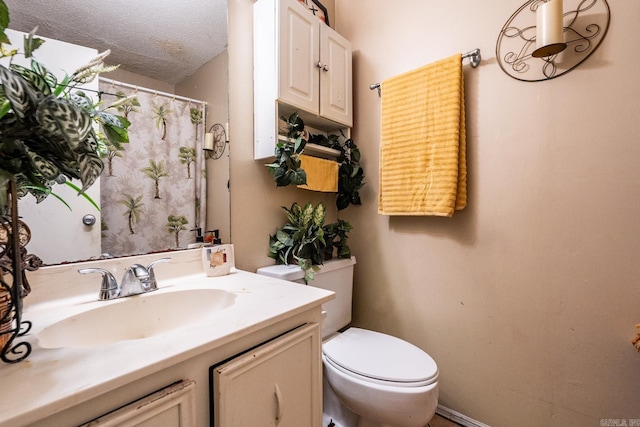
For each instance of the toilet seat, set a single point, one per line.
(380, 358)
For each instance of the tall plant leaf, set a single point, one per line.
(60, 118)
(22, 97)
(31, 43)
(36, 80)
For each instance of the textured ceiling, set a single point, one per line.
(163, 39)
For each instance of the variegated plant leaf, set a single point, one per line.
(39, 194)
(20, 94)
(36, 80)
(88, 145)
(307, 215)
(58, 117)
(91, 167)
(109, 119)
(319, 215)
(47, 169)
(31, 43)
(49, 77)
(81, 101)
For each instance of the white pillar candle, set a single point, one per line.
(549, 29)
(208, 141)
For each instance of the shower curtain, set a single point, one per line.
(153, 189)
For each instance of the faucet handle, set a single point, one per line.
(153, 284)
(135, 281)
(109, 288)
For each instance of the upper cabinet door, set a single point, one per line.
(299, 55)
(335, 77)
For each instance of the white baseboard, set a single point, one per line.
(457, 417)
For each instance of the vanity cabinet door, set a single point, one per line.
(172, 406)
(276, 384)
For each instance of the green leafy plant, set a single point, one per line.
(336, 239)
(306, 240)
(286, 167)
(350, 173)
(49, 128)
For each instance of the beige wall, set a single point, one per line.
(255, 200)
(211, 83)
(527, 299)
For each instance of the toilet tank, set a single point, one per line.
(334, 275)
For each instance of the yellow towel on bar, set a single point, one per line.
(322, 174)
(423, 142)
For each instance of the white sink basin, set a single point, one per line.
(135, 317)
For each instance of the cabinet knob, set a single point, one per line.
(320, 64)
(325, 68)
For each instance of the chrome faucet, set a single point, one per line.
(137, 279)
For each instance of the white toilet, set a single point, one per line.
(370, 379)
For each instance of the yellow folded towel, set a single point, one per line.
(322, 174)
(423, 142)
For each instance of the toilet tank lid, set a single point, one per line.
(380, 356)
(292, 272)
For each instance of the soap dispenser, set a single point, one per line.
(213, 237)
(199, 239)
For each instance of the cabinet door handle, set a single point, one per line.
(279, 404)
(320, 64)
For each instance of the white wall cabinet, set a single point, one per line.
(300, 65)
(276, 384)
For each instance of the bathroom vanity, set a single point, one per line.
(240, 349)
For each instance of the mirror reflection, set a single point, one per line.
(171, 59)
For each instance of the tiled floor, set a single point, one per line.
(438, 421)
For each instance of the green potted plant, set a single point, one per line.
(50, 130)
(306, 240)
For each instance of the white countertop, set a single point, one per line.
(50, 380)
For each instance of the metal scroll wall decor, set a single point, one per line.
(14, 262)
(585, 23)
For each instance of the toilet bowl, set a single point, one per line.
(371, 379)
(381, 378)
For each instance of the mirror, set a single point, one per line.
(159, 49)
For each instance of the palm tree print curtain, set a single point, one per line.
(153, 188)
